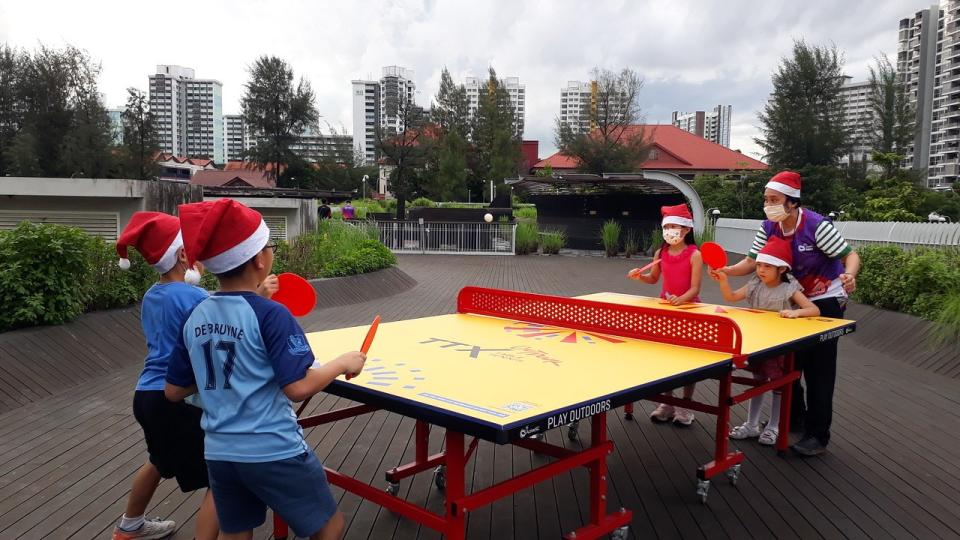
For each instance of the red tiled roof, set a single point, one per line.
(676, 149)
(166, 156)
(238, 178)
(240, 165)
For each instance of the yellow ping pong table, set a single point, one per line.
(510, 365)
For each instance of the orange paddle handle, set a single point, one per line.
(368, 341)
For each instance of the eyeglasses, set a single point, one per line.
(272, 246)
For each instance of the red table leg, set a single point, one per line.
(456, 484)
(786, 397)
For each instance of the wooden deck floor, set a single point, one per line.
(68, 451)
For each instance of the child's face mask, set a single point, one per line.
(672, 236)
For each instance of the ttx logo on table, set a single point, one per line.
(473, 350)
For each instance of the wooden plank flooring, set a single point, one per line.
(69, 445)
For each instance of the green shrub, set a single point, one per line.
(948, 321)
(918, 282)
(529, 213)
(552, 242)
(527, 238)
(610, 236)
(656, 240)
(631, 243)
(44, 278)
(708, 234)
(421, 202)
(108, 285)
(368, 255)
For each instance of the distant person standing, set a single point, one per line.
(348, 211)
(324, 211)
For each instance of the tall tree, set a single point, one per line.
(139, 137)
(277, 112)
(451, 109)
(803, 121)
(611, 144)
(494, 135)
(404, 152)
(52, 120)
(891, 124)
(445, 175)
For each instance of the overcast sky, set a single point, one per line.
(692, 54)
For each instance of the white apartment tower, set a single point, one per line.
(516, 91)
(928, 61)
(581, 104)
(235, 136)
(857, 115)
(713, 126)
(189, 113)
(377, 104)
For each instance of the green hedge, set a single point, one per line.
(917, 282)
(50, 274)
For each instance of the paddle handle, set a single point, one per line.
(368, 341)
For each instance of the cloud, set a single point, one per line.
(693, 55)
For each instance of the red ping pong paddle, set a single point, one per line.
(714, 255)
(296, 293)
(637, 271)
(368, 341)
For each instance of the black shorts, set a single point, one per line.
(174, 438)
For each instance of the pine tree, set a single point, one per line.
(494, 136)
(803, 122)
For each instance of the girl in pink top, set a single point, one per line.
(682, 268)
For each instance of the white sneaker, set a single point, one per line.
(745, 431)
(150, 530)
(683, 417)
(663, 413)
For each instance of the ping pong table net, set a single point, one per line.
(697, 330)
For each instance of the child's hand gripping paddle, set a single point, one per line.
(714, 255)
(368, 341)
(635, 273)
(296, 293)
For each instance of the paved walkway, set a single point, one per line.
(67, 454)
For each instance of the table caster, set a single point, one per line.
(733, 473)
(573, 431)
(620, 534)
(393, 488)
(703, 489)
(440, 477)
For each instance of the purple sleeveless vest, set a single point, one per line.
(812, 268)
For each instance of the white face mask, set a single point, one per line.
(672, 236)
(191, 277)
(776, 212)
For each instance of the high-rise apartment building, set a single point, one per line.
(581, 105)
(857, 116)
(516, 91)
(377, 104)
(235, 136)
(713, 126)
(928, 62)
(189, 113)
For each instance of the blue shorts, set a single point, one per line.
(295, 488)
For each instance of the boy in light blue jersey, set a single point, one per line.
(248, 358)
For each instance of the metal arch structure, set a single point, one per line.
(696, 206)
(647, 181)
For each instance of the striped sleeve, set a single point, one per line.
(830, 242)
(759, 241)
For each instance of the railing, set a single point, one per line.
(736, 235)
(448, 238)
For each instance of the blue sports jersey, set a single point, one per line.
(240, 350)
(165, 308)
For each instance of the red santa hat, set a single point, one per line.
(222, 234)
(786, 182)
(777, 252)
(676, 215)
(155, 235)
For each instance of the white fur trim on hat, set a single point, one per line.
(770, 259)
(677, 220)
(169, 257)
(240, 253)
(785, 189)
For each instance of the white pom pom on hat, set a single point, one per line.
(124, 264)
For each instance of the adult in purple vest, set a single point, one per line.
(827, 267)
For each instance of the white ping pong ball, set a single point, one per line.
(488, 217)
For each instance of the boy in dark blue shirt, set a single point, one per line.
(248, 358)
